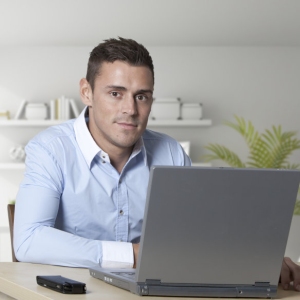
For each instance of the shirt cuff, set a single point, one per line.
(117, 255)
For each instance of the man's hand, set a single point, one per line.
(136, 248)
(290, 272)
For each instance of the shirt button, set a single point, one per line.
(121, 212)
(103, 161)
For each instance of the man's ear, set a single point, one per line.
(86, 93)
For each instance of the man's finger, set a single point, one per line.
(294, 271)
(285, 275)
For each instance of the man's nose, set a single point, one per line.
(129, 106)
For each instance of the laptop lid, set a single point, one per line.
(216, 226)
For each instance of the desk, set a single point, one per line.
(18, 280)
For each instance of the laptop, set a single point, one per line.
(211, 232)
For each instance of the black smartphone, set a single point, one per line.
(61, 284)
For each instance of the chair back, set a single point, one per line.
(11, 217)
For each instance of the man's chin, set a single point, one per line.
(125, 143)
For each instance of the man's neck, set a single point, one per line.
(119, 158)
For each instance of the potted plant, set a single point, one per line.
(269, 149)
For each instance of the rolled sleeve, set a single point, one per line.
(117, 255)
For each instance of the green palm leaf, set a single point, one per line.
(291, 166)
(270, 149)
(223, 153)
(247, 130)
(297, 208)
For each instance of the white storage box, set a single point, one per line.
(165, 109)
(191, 111)
(36, 111)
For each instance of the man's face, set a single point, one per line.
(120, 104)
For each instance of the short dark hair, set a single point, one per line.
(110, 50)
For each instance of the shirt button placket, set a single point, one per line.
(122, 222)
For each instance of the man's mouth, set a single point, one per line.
(127, 125)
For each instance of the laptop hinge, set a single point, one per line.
(153, 281)
(262, 283)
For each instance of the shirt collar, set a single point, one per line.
(139, 147)
(88, 146)
(85, 141)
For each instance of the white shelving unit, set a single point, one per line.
(47, 123)
(179, 123)
(30, 123)
(12, 166)
(151, 123)
(21, 166)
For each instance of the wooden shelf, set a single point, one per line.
(151, 123)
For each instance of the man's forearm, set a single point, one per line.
(36, 240)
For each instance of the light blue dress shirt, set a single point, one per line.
(72, 199)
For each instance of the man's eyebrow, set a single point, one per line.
(116, 87)
(144, 91)
(122, 88)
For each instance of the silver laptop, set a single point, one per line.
(211, 232)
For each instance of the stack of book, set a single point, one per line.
(62, 107)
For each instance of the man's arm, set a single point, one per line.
(37, 241)
(35, 238)
(136, 249)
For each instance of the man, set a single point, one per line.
(82, 200)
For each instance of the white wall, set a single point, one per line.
(259, 84)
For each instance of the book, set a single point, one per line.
(62, 107)
(20, 110)
(52, 109)
(57, 109)
(74, 108)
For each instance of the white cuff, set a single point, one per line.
(117, 255)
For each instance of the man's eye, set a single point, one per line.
(114, 94)
(141, 97)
